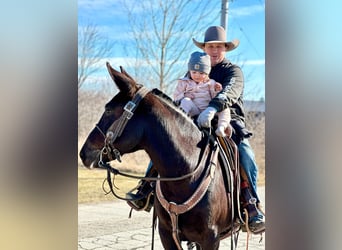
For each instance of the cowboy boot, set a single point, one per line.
(256, 221)
(143, 198)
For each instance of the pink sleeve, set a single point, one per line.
(180, 90)
(213, 93)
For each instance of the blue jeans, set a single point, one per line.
(148, 167)
(247, 160)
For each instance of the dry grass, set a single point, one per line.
(90, 181)
(90, 186)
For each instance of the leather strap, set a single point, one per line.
(174, 209)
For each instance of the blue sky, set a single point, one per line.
(246, 22)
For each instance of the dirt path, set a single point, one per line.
(106, 226)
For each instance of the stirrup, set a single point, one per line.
(252, 227)
(144, 199)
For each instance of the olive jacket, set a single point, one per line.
(231, 95)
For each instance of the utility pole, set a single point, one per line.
(224, 14)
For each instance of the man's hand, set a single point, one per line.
(204, 119)
(217, 86)
(224, 132)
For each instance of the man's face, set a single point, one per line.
(216, 51)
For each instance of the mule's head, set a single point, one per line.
(95, 142)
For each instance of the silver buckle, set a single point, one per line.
(252, 200)
(128, 108)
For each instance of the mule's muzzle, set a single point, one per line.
(89, 158)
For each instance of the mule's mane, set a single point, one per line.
(172, 104)
(161, 94)
(178, 138)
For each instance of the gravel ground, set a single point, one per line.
(106, 226)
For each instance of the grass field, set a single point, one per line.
(90, 184)
(90, 180)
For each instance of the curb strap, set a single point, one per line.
(174, 209)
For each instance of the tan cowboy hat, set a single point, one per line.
(217, 34)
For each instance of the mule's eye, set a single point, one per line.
(108, 111)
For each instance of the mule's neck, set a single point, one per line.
(172, 141)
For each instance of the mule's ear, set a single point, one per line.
(126, 84)
(125, 73)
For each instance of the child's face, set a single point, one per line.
(198, 76)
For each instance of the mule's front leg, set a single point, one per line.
(166, 238)
(209, 245)
(211, 241)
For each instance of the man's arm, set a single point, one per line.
(233, 85)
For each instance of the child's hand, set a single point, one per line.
(218, 86)
(189, 95)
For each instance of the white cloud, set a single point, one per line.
(247, 10)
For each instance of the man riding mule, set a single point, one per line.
(193, 202)
(231, 96)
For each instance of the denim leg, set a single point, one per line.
(247, 160)
(148, 167)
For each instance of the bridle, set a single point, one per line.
(129, 109)
(99, 129)
(111, 136)
(113, 153)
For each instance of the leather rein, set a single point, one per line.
(114, 153)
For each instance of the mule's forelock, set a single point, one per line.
(123, 81)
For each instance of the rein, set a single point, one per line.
(115, 171)
(108, 149)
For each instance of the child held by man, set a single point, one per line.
(196, 89)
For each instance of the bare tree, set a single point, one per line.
(92, 47)
(163, 36)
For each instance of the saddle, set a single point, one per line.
(233, 173)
